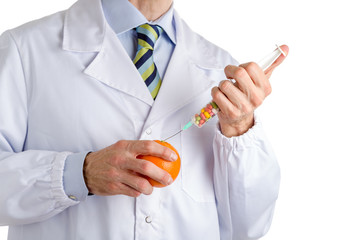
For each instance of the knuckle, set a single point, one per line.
(225, 85)
(112, 173)
(121, 144)
(215, 93)
(239, 73)
(257, 100)
(165, 178)
(126, 190)
(167, 152)
(135, 194)
(112, 187)
(251, 66)
(113, 160)
(116, 160)
(143, 186)
(228, 68)
(145, 166)
(268, 89)
(234, 115)
(246, 108)
(148, 146)
(214, 90)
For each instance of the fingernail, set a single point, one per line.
(170, 181)
(173, 157)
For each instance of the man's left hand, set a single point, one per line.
(238, 101)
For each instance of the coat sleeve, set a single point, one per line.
(31, 186)
(246, 178)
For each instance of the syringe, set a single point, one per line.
(211, 109)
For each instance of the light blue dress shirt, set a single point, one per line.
(123, 18)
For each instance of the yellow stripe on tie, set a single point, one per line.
(144, 44)
(150, 29)
(156, 90)
(140, 53)
(148, 72)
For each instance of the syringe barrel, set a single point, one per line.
(211, 109)
(205, 114)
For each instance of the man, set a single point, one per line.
(75, 115)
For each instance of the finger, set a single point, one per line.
(137, 183)
(232, 93)
(278, 61)
(116, 188)
(261, 81)
(154, 149)
(147, 168)
(226, 106)
(256, 74)
(241, 77)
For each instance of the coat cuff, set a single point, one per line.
(248, 139)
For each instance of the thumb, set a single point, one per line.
(278, 61)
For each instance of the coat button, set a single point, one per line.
(148, 219)
(148, 131)
(72, 197)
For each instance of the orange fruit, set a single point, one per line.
(171, 167)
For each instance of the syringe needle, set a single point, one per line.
(172, 136)
(189, 124)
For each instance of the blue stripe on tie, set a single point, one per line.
(147, 33)
(152, 76)
(146, 65)
(146, 39)
(143, 59)
(152, 85)
(156, 29)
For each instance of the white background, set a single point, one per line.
(312, 117)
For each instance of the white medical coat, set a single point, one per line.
(67, 85)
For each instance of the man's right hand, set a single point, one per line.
(117, 170)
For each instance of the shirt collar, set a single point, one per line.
(123, 16)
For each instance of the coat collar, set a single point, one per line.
(84, 27)
(86, 30)
(116, 11)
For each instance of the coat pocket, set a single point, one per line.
(198, 162)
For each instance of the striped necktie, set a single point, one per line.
(144, 62)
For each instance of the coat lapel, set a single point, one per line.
(86, 30)
(113, 67)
